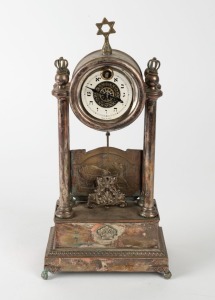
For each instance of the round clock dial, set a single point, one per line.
(106, 94)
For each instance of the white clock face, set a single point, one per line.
(106, 94)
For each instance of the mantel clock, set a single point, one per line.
(106, 218)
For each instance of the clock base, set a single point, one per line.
(106, 240)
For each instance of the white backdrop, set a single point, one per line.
(181, 35)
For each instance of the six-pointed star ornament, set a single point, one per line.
(105, 22)
(106, 47)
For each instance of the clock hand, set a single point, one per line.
(116, 98)
(94, 90)
(105, 94)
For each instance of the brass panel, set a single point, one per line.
(87, 166)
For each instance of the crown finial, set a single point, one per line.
(152, 79)
(61, 64)
(62, 76)
(153, 64)
(106, 49)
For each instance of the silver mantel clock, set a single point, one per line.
(106, 217)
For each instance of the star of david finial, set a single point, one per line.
(106, 49)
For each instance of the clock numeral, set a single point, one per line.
(91, 102)
(98, 78)
(122, 86)
(123, 95)
(88, 94)
(115, 109)
(97, 109)
(106, 111)
(115, 79)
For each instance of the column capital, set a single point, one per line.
(61, 86)
(153, 88)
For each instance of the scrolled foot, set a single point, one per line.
(44, 274)
(167, 275)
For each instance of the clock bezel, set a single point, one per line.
(138, 93)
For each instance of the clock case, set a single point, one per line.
(117, 60)
(106, 238)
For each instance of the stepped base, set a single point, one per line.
(107, 240)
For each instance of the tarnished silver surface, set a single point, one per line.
(107, 238)
(60, 91)
(153, 91)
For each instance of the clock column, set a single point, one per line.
(153, 92)
(60, 91)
